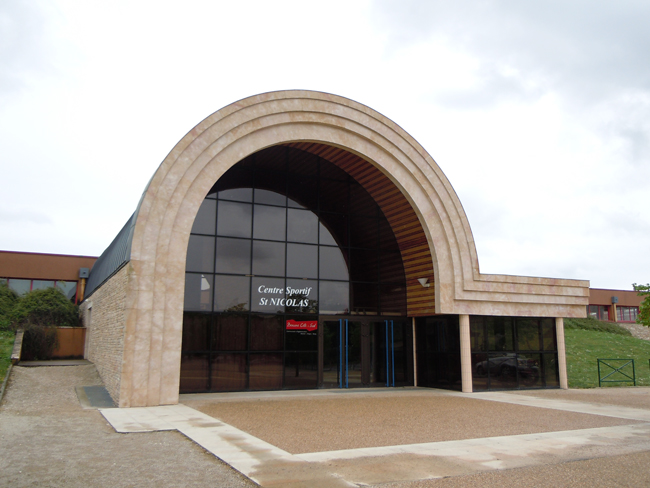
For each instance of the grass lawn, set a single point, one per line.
(583, 347)
(6, 346)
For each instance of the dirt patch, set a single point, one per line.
(315, 424)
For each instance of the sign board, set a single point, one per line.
(302, 325)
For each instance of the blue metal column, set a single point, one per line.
(346, 353)
(387, 357)
(392, 351)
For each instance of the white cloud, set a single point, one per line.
(537, 112)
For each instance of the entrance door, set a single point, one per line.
(364, 352)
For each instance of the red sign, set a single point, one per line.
(308, 325)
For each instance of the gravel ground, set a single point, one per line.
(315, 424)
(633, 397)
(47, 439)
(630, 470)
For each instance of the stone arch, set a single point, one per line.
(154, 308)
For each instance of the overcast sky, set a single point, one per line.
(537, 112)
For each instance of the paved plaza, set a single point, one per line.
(322, 438)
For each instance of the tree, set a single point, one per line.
(644, 308)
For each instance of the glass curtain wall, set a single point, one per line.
(283, 237)
(513, 353)
(438, 352)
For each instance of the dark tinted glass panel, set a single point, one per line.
(302, 163)
(20, 286)
(302, 296)
(479, 372)
(386, 236)
(200, 254)
(333, 196)
(268, 197)
(267, 333)
(302, 226)
(333, 230)
(269, 223)
(334, 297)
(365, 298)
(198, 292)
(69, 288)
(438, 352)
(391, 268)
(230, 332)
(548, 334)
(272, 158)
(528, 335)
(503, 370)
(393, 298)
(303, 192)
(363, 265)
(301, 339)
(302, 261)
(196, 331)
(194, 373)
(361, 202)
(234, 219)
(551, 370)
(326, 237)
(364, 232)
(42, 284)
(331, 171)
(206, 219)
(331, 352)
(529, 370)
(237, 194)
(268, 295)
(236, 184)
(265, 371)
(233, 256)
(228, 372)
(268, 258)
(500, 334)
(231, 293)
(332, 264)
(300, 370)
(477, 334)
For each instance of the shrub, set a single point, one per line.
(8, 299)
(38, 313)
(591, 323)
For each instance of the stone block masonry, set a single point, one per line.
(103, 314)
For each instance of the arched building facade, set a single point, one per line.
(298, 239)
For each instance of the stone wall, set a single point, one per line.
(104, 317)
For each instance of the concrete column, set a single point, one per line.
(465, 354)
(561, 352)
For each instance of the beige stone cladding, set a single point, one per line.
(104, 317)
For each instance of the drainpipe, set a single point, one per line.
(465, 354)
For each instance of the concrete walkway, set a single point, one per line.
(272, 466)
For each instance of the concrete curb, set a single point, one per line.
(18, 346)
(4, 383)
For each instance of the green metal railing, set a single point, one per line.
(616, 370)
